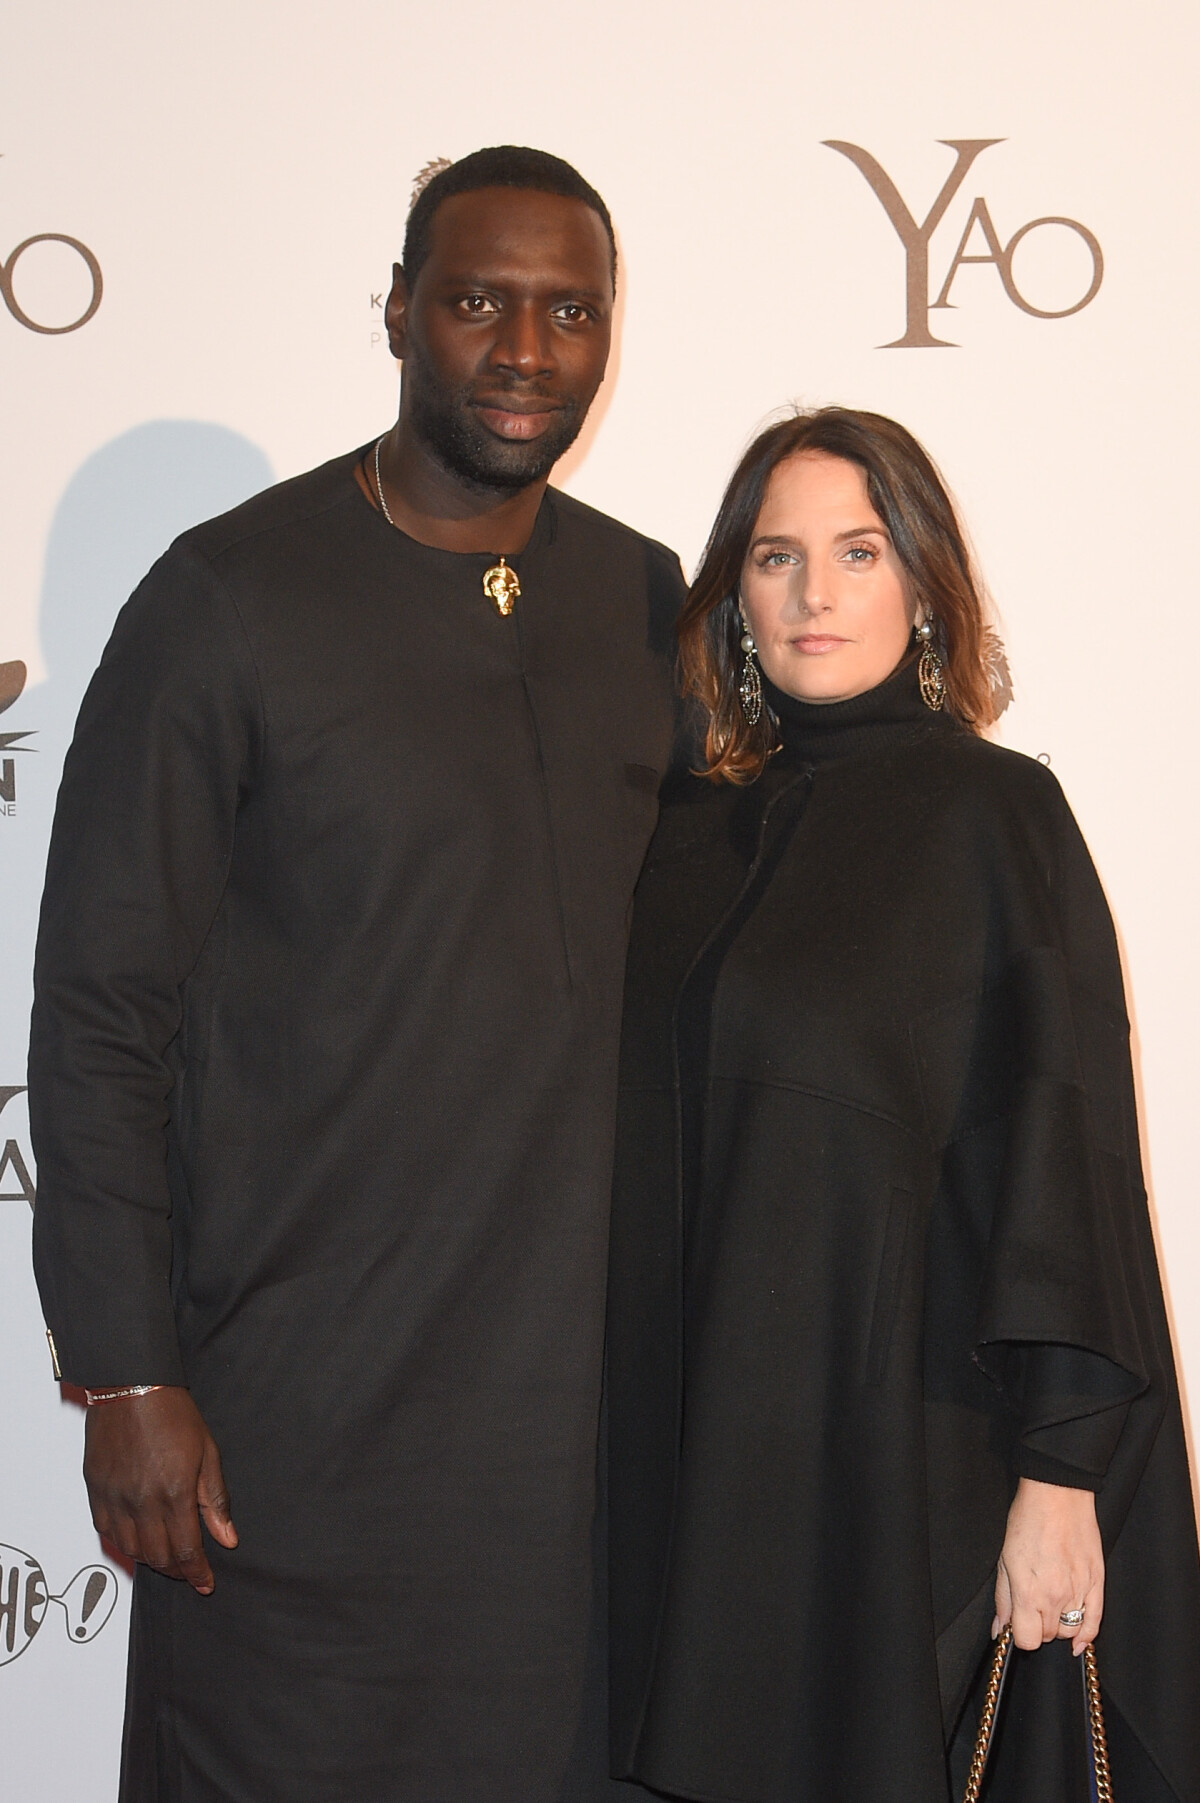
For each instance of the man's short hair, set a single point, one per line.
(501, 166)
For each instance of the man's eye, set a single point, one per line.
(477, 303)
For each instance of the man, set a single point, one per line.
(323, 1056)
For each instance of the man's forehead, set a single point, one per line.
(522, 229)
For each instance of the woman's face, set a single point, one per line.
(822, 589)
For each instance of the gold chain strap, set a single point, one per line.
(987, 1718)
(987, 1722)
(1091, 1687)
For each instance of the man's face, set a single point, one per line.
(505, 335)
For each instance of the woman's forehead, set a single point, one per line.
(816, 488)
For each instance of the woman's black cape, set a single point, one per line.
(919, 1160)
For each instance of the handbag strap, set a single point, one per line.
(1097, 1739)
(1100, 1783)
(997, 1673)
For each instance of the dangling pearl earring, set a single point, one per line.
(929, 670)
(750, 687)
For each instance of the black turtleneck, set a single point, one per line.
(817, 732)
(812, 735)
(764, 819)
(903, 1261)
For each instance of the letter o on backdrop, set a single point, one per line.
(1097, 256)
(14, 306)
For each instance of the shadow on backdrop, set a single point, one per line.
(119, 512)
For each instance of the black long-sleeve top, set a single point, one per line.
(879, 1244)
(321, 1079)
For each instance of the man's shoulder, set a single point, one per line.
(284, 508)
(577, 515)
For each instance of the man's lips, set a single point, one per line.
(517, 419)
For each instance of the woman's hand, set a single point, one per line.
(1051, 1562)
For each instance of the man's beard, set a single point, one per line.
(446, 422)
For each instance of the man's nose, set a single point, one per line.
(525, 342)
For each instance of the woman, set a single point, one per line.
(888, 1360)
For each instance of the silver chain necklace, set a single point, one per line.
(379, 485)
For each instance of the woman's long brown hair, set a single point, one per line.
(910, 498)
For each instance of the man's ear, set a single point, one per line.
(396, 314)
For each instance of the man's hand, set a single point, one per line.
(1052, 1562)
(152, 1469)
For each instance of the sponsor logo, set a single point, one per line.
(8, 294)
(13, 1165)
(915, 239)
(25, 1597)
(12, 681)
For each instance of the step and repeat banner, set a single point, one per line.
(978, 219)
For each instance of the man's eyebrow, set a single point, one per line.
(477, 279)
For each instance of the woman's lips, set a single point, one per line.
(813, 644)
(509, 424)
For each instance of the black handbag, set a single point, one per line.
(1099, 1782)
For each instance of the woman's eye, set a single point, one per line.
(774, 559)
(862, 553)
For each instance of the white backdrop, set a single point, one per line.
(240, 174)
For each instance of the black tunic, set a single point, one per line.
(321, 1082)
(879, 1245)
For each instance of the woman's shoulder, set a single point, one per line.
(686, 799)
(1007, 811)
(691, 809)
(987, 772)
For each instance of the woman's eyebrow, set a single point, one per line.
(783, 538)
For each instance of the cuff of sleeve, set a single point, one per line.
(136, 1351)
(1045, 1470)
